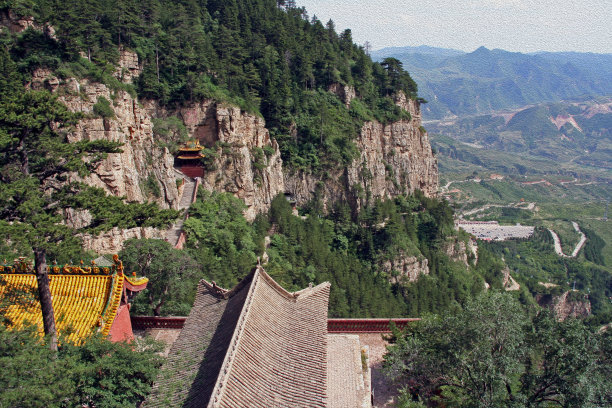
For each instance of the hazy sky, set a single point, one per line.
(513, 25)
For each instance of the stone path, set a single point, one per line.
(174, 232)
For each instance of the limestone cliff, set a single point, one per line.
(404, 269)
(242, 158)
(459, 251)
(247, 162)
(395, 159)
(144, 170)
(567, 304)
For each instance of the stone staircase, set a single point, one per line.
(174, 232)
(187, 196)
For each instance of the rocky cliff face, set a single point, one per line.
(565, 305)
(404, 269)
(395, 159)
(17, 24)
(459, 251)
(247, 162)
(344, 92)
(142, 172)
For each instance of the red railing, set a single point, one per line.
(153, 322)
(333, 325)
(366, 325)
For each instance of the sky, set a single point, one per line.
(512, 25)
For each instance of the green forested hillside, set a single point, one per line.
(348, 251)
(274, 61)
(257, 54)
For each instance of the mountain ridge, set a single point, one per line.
(484, 80)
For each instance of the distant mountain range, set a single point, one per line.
(456, 83)
(575, 137)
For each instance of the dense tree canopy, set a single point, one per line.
(98, 373)
(171, 274)
(492, 353)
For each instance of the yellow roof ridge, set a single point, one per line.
(136, 281)
(112, 304)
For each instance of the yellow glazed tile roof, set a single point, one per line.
(136, 281)
(82, 303)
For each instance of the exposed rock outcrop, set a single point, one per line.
(128, 66)
(508, 283)
(112, 241)
(404, 269)
(395, 159)
(344, 92)
(459, 251)
(248, 162)
(43, 78)
(144, 170)
(567, 304)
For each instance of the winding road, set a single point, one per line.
(578, 247)
(523, 205)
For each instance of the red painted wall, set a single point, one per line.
(121, 330)
(192, 171)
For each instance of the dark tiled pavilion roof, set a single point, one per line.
(254, 346)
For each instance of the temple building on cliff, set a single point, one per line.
(189, 159)
(260, 346)
(86, 298)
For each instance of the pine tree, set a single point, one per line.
(36, 162)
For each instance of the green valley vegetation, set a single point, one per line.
(571, 138)
(493, 352)
(261, 55)
(533, 261)
(486, 180)
(354, 253)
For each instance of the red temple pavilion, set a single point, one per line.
(189, 159)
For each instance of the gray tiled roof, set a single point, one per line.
(189, 374)
(346, 379)
(254, 346)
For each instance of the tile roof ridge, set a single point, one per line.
(226, 367)
(311, 290)
(223, 293)
(291, 295)
(112, 304)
